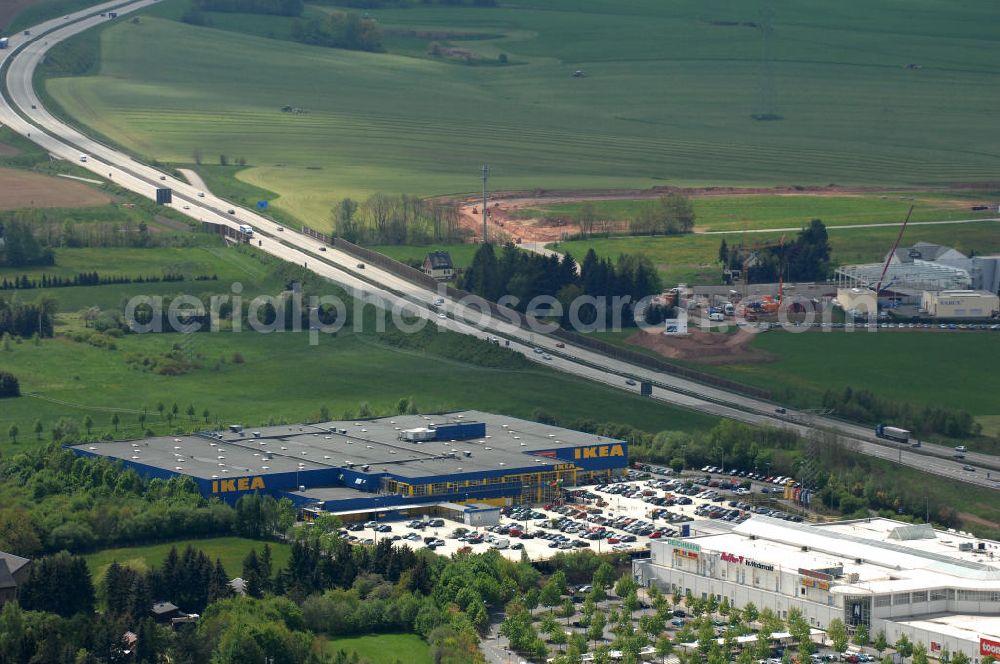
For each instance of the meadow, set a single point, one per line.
(959, 370)
(667, 98)
(694, 259)
(384, 648)
(277, 377)
(230, 550)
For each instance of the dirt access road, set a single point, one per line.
(503, 207)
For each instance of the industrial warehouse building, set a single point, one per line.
(960, 304)
(391, 463)
(939, 588)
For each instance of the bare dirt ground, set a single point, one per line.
(21, 189)
(504, 205)
(978, 520)
(11, 8)
(703, 347)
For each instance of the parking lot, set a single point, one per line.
(621, 516)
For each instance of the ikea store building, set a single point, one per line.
(380, 464)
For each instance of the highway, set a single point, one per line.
(21, 110)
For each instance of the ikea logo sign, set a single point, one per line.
(238, 484)
(598, 451)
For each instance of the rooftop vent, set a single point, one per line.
(256, 434)
(365, 467)
(236, 428)
(467, 453)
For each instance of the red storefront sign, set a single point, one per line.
(989, 647)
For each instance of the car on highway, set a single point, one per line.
(629, 381)
(163, 177)
(187, 207)
(560, 345)
(968, 468)
(546, 356)
(280, 228)
(439, 301)
(201, 194)
(231, 211)
(442, 315)
(322, 248)
(361, 266)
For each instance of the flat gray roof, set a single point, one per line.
(508, 444)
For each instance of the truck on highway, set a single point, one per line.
(246, 229)
(4, 42)
(892, 433)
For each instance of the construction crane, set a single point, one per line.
(888, 259)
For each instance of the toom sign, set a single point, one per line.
(238, 484)
(597, 451)
(989, 648)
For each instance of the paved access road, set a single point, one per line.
(23, 112)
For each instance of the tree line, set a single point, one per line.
(92, 279)
(36, 233)
(526, 275)
(403, 219)
(862, 405)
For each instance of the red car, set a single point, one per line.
(656, 534)
(613, 540)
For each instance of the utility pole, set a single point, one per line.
(486, 175)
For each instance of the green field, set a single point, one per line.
(209, 257)
(693, 259)
(282, 377)
(667, 98)
(952, 369)
(749, 212)
(384, 648)
(230, 550)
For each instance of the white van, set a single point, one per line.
(83, 157)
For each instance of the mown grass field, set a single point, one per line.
(384, 648)
(750, 212)
(693, 259)
(959, 370)
(230, 550)
(667, 99)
